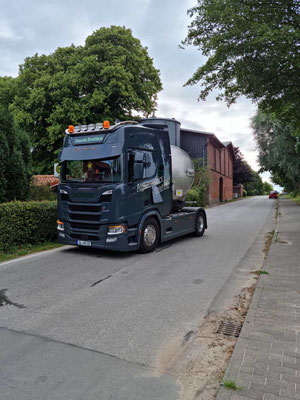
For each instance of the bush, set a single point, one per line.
(198, 192)
(27, 223)
(252, 192)
(245, 193)
(196, 195)
(38, 193)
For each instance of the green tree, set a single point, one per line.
(255, 186)
(242, 172)
(110, 77)
(268, 187)
(279, 150)
(252, 49)
(15, 159)
(7, 90)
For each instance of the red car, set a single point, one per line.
(273, 195)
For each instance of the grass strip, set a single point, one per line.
(24, 250)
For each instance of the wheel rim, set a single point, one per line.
(200, 223)
(149, 235)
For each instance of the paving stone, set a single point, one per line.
(247, 370)
(277, 383)
(264, 388)
(289, 394)
(269, 396)
(290, 378)
(251, 394)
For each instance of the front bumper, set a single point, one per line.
(121, 242)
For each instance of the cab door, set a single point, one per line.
(141, 176)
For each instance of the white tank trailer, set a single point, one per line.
(182, 166)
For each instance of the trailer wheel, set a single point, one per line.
(149, 235)
(200, 224)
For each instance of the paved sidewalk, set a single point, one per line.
(266, 360)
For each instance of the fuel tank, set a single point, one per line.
(182, 173)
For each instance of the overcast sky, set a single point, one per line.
(40, 26)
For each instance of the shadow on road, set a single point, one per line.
(108, 254)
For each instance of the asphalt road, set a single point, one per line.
(122, 307)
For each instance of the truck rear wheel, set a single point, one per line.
(200, 224)
(149, 235)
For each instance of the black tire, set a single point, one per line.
(200, 224)
(149, 235)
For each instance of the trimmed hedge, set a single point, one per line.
(28, 222)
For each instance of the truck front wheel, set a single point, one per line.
(200, 224)
(149, 235)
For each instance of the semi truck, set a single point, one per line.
(123, 187)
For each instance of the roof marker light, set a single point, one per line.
(106, 124)
(71, 129)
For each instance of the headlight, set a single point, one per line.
(116, 230)
(60, 225)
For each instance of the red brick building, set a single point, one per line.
(217, 156)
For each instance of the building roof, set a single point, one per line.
(230, 146)
(194, 131)
(210, 135)
(44, 180)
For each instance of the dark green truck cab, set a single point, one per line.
(116, 189)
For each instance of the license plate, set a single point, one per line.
(83, 243)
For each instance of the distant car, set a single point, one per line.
(273, 195)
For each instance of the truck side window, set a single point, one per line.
(147, 157)
(131, 157)
(150, 165)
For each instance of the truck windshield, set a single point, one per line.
(92, 171)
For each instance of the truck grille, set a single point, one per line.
(84, 236)
(84, 227)
(84, 217)
(84, 208)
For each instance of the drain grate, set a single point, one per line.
(229, 328)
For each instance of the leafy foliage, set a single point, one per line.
(268, 187)
(279, 150)
(252, 49)
(242, 172)
(110, 77)
(7, 90)
(15, 159)
(198, 192)
(26, 223)
(255, 186)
